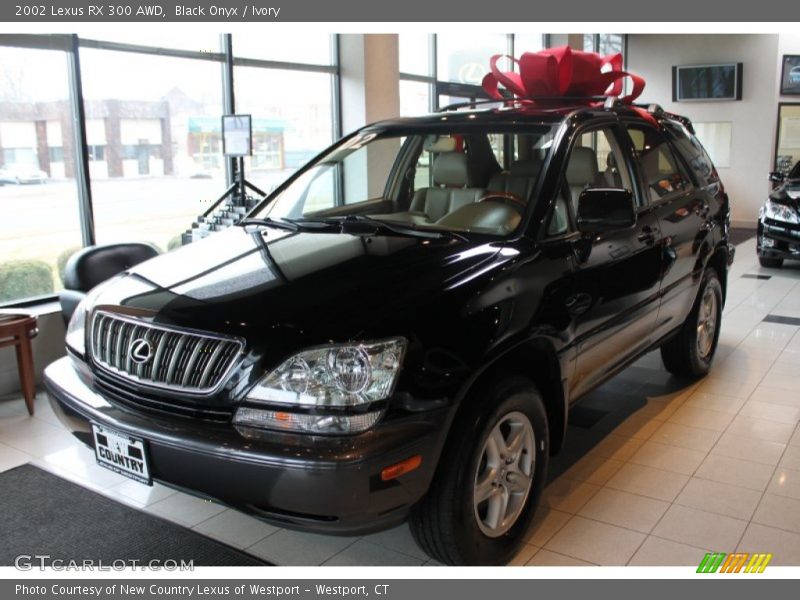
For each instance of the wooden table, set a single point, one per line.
(17, 330)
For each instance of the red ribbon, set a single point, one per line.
(560, 72)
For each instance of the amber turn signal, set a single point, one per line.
(401, 468)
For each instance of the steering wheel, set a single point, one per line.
(507, 198)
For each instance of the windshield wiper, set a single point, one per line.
(401, 228)
(270, 222)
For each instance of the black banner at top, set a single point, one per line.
(383, 11)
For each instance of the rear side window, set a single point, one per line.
(693, 153)
(661, 170)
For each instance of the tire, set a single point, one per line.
(691, 352)
(447, 523)
(770, 263)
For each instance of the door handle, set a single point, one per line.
(647, 235)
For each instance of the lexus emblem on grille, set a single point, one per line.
(140, 351)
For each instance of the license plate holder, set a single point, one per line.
(122, 453)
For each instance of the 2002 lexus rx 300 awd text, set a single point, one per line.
(400, 330)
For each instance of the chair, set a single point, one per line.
(93, 265)
(17, 330)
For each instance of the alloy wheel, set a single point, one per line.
(504, 475)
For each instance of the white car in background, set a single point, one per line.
(22, 173)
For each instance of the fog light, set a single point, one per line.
(767, 242)
(331, 424)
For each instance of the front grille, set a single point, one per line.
(151, 403)
(172, 358)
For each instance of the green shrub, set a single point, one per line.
(175, 242)
(61, 261)
(25, 278)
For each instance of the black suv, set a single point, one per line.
(778, 226)
(399, 330)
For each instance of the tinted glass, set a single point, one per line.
(445, 176)
(693, 153)
(659, 167)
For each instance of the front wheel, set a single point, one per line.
(770, 263)
(489, 479)
(691, 351)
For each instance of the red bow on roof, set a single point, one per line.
(560, 72)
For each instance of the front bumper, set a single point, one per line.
(784, 237)
(322, 484)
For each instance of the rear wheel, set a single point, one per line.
(489, 480)
(770, 263)
(691, 351)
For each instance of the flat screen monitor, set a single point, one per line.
(707, 82)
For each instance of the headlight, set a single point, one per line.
(781, 212)
(325, 390)
(76, 330)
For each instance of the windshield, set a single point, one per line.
(469, 179)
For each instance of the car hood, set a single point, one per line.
(328, 285)
(787, 193)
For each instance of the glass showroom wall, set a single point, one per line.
(451, 62)
(154, 161)
(153, 126)
(293, 106)
(38, 193)
(417, 72)
(152, 108)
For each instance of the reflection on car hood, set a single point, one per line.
(787, 193)
(269, 278)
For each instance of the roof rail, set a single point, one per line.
(521, 100)
(657, 110)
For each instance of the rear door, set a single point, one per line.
(682, 211)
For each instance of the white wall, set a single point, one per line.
(753, 118)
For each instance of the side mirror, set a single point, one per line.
(605, 209)
(776, 177)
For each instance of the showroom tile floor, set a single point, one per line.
(655, 472)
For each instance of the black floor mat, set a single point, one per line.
(43, 514)
(741, 234)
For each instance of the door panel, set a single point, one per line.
(682, 210)
(614, 299)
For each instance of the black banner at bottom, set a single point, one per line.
(396, 589)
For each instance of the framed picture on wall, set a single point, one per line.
(790, 76)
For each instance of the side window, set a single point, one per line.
(559, 220)
(693, 153)
(662, 172)
(595, 161)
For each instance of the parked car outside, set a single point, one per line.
(381, 340)
(778, 227)
(22, 174)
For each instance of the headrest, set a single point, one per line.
(611, 162)
(582, 167)
(526, 168)
(450, 169)
(438, 143)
